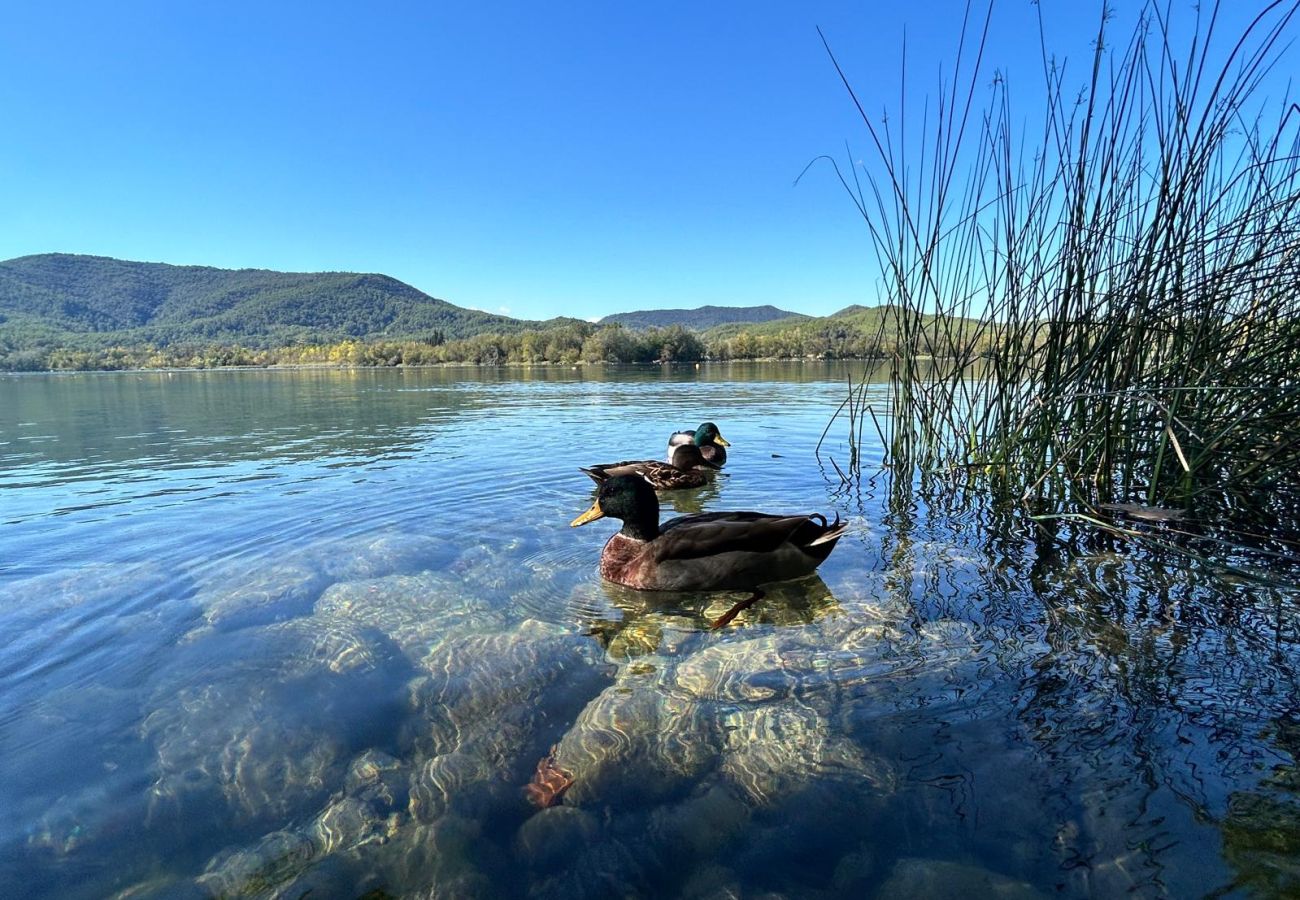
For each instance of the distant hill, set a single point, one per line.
(64, 311)
(95, 301)
(701, 318)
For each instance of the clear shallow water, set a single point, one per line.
(265, 633)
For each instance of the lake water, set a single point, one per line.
(275, 634)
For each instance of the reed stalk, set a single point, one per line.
(1107, 309)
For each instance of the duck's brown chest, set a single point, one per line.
(626, 561)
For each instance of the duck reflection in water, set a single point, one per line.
(629, 623)
(697, 501)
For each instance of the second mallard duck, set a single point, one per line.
(705, 552)
(688, 469)
(706, 437)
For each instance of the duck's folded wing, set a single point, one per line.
(629, 467)
(710, 534)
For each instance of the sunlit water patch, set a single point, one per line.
(275, 634)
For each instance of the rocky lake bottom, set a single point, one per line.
(366, 656)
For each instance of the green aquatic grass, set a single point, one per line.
(1102, 307)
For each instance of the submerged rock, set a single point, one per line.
(639, 637)
(773, 752)
(418, 612)
(247, 592)
(255, 871)
(469, 780)
(487, 711)
(549, 840)
(267, 733)
(45, 616)
(752, 671)
(242, 595)
(494, 691)
(638, 744)
(369, 812)
(913, 877)
(375, 556)
(97, 589)
(257, 749)
(700, 826)
(611, 867)
(449, 858)
(372, 808)
(493, 567)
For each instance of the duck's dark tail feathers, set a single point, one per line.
(831, 531)
(597, 475)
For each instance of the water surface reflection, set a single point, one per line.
(281, 633)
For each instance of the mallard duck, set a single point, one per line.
(706, 437)
(704, 552)
(687, 470)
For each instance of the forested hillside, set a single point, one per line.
(59, 311)
(699, 319)
(87, 302)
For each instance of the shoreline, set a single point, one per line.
(286, 367)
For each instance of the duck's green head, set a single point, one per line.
(708, 434)
(626, 497)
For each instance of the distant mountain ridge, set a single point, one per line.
(61, 310)
(92, 300)
(701, 318)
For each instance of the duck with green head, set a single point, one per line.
(704, 552)
(707, 437)
(688, 469)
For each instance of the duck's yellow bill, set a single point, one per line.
(590, 515)
(723, 441)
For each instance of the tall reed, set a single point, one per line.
(1108, 309)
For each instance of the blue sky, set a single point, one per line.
(537, 159)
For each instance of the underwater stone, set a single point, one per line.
(700, 826)
(371, 812)
(45, 612)
(855, 872)
(163, 887)
(914, 877)
(774, 751)
(348, 823)
(494, 568)
(257, 870)
(242, 592)
(447, 858)
(636, 638)
(418, 612)
(102, 586)
(329, 876)
(264, 770)
(751, 671)
(487, 686)
(240, 596)
(635, 743)
(372, 809)
(451, 778)
(371, 768)
(784, 604)
(270, 732)
(606, 868)
(548, 840)
(375, 556)
(74, 737)
(83, 822)
(712, 882)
